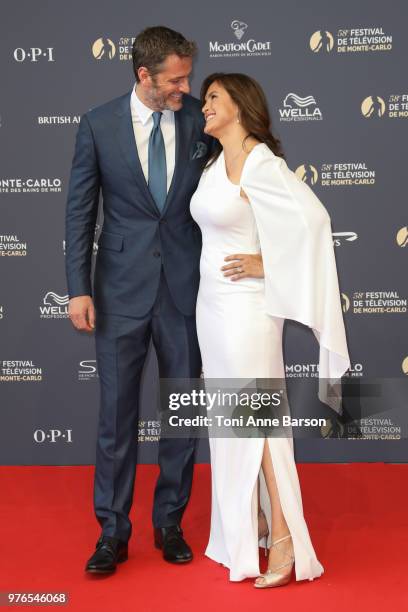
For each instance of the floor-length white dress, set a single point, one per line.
(238, 339)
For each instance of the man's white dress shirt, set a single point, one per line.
(142, 121)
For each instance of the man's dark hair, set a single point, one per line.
(153, 45)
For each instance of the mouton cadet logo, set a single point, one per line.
(239, 48)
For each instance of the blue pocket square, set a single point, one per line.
(200, 149)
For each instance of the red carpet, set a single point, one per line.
(357, 516)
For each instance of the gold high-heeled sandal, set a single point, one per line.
(271, 577)
(263, 529)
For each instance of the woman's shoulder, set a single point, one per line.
(261, 160)
(261, 152)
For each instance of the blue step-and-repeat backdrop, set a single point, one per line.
(338, 95)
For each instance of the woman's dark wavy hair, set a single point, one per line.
(248, 95)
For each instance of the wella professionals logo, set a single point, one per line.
(54, 306)
(103, 49)
(298, 108)
(402, 237)
(404, 366)
(321, 42)
(2, 312)
(241, 48)
(337, 174)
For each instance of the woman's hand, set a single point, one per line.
(243, 266)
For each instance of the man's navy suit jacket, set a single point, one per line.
(137, 239)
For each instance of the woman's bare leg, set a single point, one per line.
(263, 529)
(280, 553)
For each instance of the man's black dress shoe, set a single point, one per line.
(170, 540)
(109, 551)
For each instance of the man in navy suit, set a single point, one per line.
(145, 152)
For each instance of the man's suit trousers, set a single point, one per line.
(121, 348)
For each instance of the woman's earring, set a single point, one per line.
(238, 119)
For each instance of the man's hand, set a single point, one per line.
(244, 266)
(81, 311)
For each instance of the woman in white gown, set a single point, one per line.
(267, 255)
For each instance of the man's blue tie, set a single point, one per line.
(157, 163)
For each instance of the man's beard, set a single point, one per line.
(161, 101)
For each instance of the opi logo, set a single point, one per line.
(53, 436)
(34, 54)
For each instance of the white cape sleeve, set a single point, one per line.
(298, 257)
